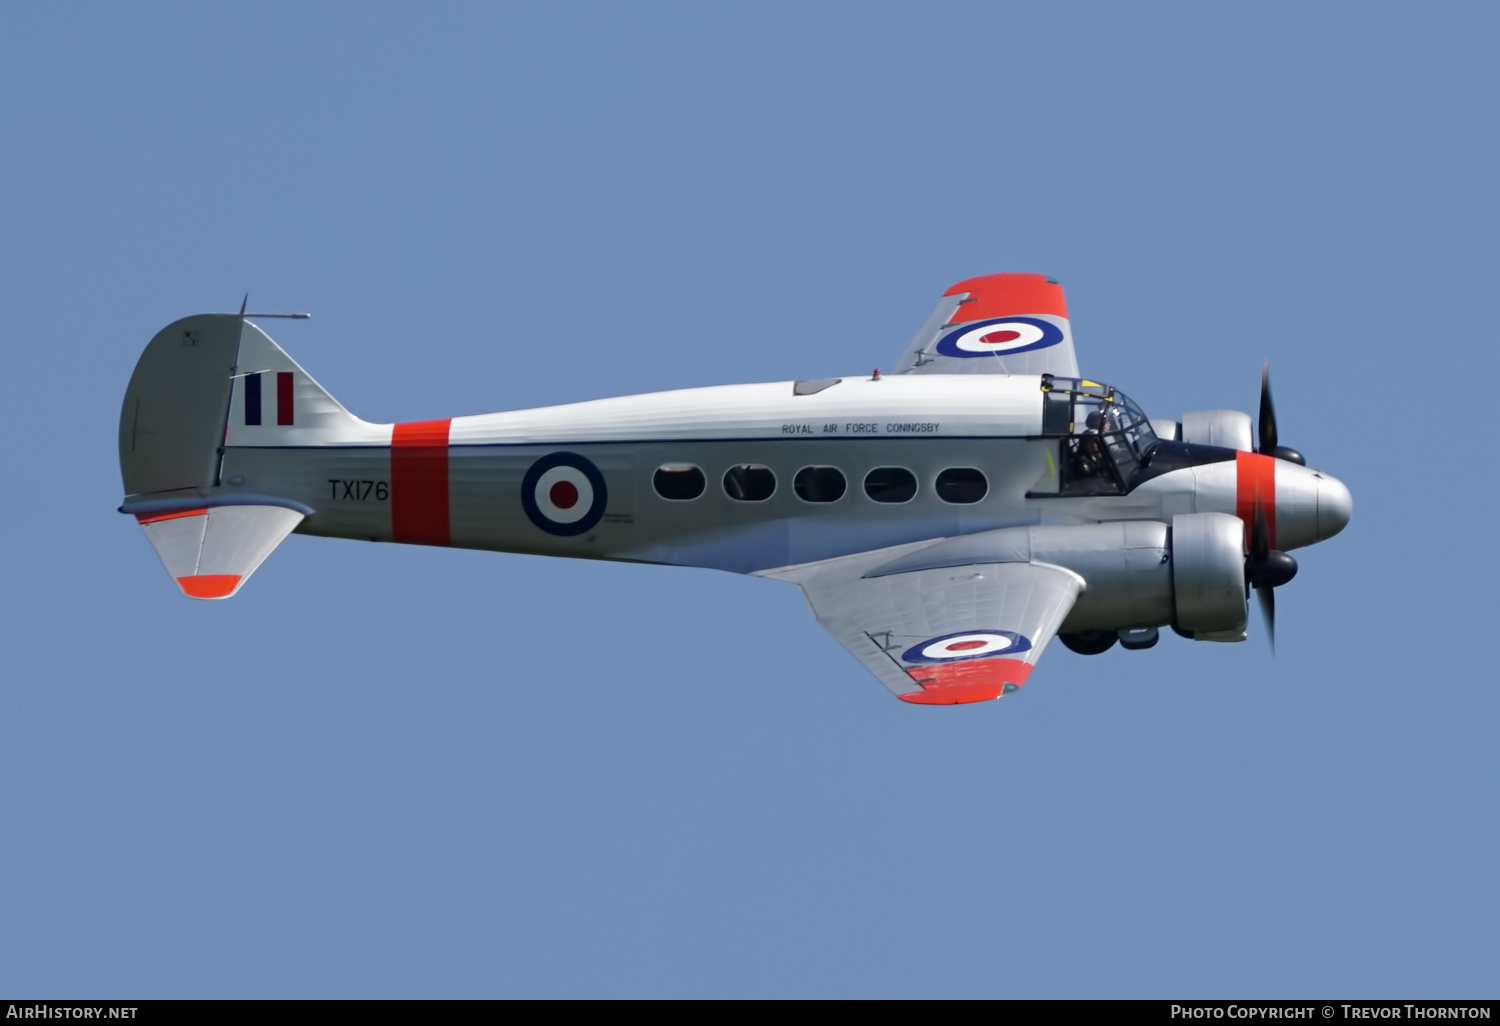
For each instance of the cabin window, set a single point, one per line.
(961, 485)
(891, 484)
(749, 482)
(678, 481)
(820, 484)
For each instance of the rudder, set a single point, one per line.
(172, 421)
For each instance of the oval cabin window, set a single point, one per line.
(819, 484)
(891, 484)
(962, 485)
(678, 481)
(749, 482)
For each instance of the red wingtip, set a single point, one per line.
(1004, 295)
(969, 680)
(209, 586)
(954, 696)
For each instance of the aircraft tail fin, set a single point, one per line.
(274, 402)
(213, 380)
(211, 552)
(204, 383)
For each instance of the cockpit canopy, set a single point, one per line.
(1105, 436)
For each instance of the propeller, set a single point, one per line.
(1267, 569)
(1267, 423)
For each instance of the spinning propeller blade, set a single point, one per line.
(1267, 421)
(1260, 547)
(1267, 598)
(1265, 568)
(1267, 441)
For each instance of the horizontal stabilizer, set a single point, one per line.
(211, 552)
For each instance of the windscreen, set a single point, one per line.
(1105, 434)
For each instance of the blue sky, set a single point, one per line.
(402, 772)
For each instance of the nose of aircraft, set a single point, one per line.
(1335, 506)
(1310, 506)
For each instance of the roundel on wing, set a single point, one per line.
(564, 494)
(967, 645)
(1000, 336)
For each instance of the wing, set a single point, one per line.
(996, 324)
(940, 636)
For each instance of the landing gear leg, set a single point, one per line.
(1137, 639)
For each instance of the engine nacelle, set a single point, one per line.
(1126, 566)
(1137, 573)
(1166, 430)
(1208, 573)
(1227, 428)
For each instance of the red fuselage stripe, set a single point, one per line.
(419, 483)
(1255, 480)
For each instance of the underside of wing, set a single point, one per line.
(943, 636)
(995, 324)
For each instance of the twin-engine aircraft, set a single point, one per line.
(944, 520)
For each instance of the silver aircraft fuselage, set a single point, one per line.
(856, 426)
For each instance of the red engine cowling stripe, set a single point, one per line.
(419, 482)
(1255, 477)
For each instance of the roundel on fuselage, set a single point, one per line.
(1000, 336)
(967, 645)
(564, 494)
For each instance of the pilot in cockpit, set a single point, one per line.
(1088, 456)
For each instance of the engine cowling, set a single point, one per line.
(1227, 428)
(1208, 573)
